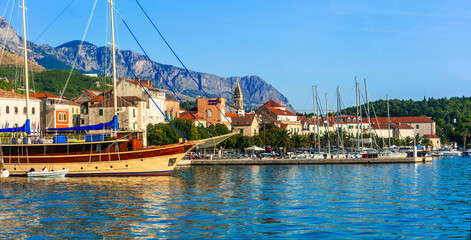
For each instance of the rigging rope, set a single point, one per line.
(159, 72)
(189, 73)
(148, 94)
(53, 21)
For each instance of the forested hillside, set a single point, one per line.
(452, 115)
(52, 81)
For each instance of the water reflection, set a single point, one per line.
(312, 201)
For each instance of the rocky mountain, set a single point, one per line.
(94, 59)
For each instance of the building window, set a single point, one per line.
(24, 110)
(241, 131)
(208, 113)
(8, 110)
(73, 110)
(16, 110)
(65, 117)
(100, 112)
(134, 126)
(60, 117)
(82, 110)
(83, 121)
(33, 111)
(134, 112)
(417, 127)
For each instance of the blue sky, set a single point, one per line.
(405, 49)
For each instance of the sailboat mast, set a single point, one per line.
(389, 123)
(368, 112)
(338, 123)
(317, 121)
(25, 53)
(327, 117)
(358, 119)
(115, 97)
(314, 113)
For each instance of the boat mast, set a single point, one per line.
(368, 112)
(327, 117)
(25, 53)
(360, 114)
(314, 113)
(115, 98)
(358, 119)
(317, 121)
(389, 123)
(338, 124)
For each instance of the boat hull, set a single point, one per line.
(159, 161)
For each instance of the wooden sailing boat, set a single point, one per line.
(122, 155)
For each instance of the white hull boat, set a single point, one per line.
(47, 174)
(452, 153)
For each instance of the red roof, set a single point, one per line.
(281, 112)
(231, 114)
(407, 119)
(43, 95)
(94, 93)
(97, 99)
(187, 116)
(271, 104)
(246, 120)
(431, 136)
(143, 82)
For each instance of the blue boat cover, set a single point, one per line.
(25, 128)
(112, 124)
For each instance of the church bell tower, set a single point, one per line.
(237, 99)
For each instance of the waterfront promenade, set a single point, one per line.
(271, 161)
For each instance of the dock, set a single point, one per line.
(248, 161)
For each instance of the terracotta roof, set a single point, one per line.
(381, 125)
(280, 111)
(172, 100)
(187, 116)
(407, 119)
(231, 115)
(401, 125)
(246, 120)
(97, 99)
(431, 136)
(43, 95)
(271, 104)
(283, 126)
(8, 94)
(94, 93)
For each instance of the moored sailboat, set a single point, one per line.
(120, 153)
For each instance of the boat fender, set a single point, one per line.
(41, 140)
(19, 141)
(13, 140)
(35, 141)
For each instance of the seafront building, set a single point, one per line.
(13, 110)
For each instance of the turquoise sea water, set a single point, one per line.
(431, 200)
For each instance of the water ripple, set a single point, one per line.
(309, 201)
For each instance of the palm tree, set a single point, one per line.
(465, 134)
(283, 139)
(426, 142)
(408, 141)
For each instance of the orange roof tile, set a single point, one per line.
(419, 119)
(271, 104)
(431, 136)
(43, 95)
(280, 111)
(231, 114)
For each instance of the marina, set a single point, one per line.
(330, 201)
(305, 161)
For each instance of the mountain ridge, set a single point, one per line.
(95, 59)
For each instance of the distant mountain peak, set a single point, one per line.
(75, 43)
